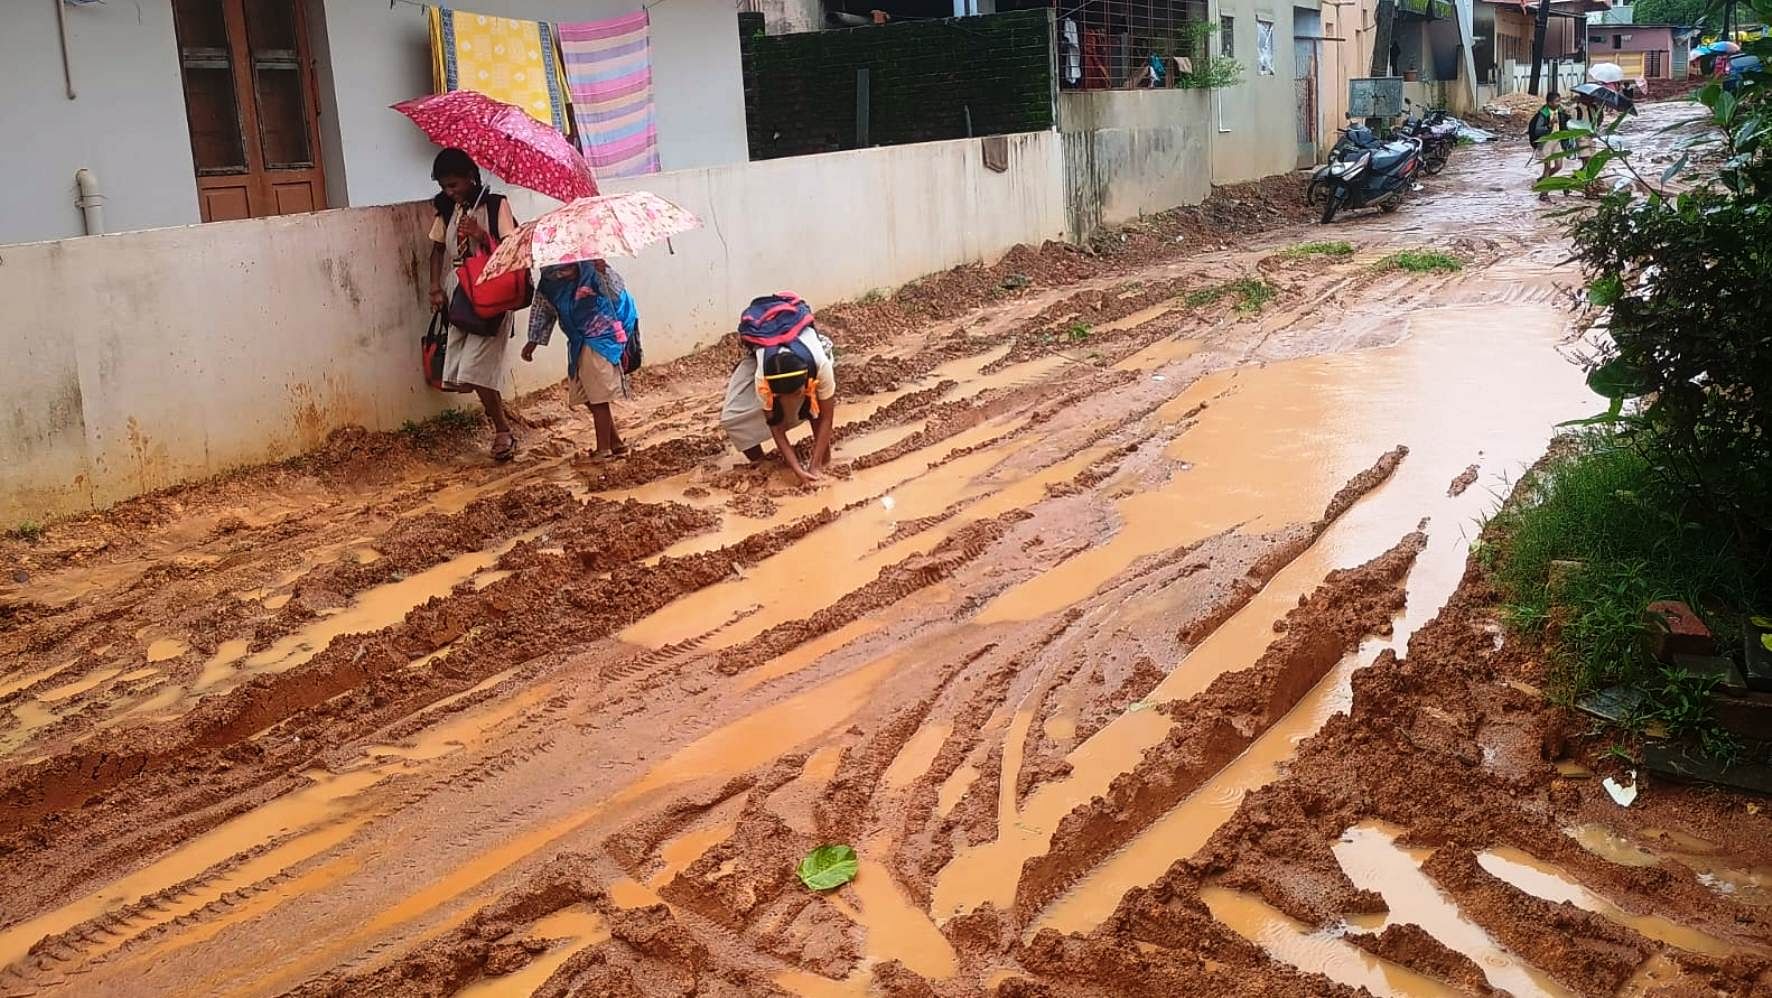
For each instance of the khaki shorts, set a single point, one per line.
(598, 381)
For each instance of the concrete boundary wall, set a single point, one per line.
(140, 360)
(1133, 152)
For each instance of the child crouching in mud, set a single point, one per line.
(785, 376)
(591, 303)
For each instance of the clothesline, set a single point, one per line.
(420, 4)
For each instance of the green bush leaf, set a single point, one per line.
(1606, 290)
(1615, 379)
(828, 867)
(1679, 164)
(1611, 415)
(1763, 623)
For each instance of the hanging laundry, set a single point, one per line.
(505, 59)
(609, 76)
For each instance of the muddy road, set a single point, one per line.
(1131, 645)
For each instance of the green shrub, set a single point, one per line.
(1600, 505)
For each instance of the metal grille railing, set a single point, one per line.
(1108, 44)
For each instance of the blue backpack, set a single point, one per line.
(773, 320)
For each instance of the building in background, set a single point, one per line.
(183, 111)
(1505, 30)
(1643, 51)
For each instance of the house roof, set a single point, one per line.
(1568, 7)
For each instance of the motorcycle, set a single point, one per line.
(1438, 136)
(1364, 172)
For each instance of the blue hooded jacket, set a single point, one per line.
(601, 318)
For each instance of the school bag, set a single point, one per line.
(772, 320)
(479, 307)
(431, 349)
(630, 354)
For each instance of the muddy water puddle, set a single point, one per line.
(1273, 448)
(1742, 882)
(570, 930)
(1547, 881)
(1373, 860)
(279, 835)
(1326, 952)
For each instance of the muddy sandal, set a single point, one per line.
(505, 450)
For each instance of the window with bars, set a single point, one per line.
(1109, 44)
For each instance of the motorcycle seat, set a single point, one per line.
(1384, 159)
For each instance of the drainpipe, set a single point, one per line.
(91, 202)
(61, 23)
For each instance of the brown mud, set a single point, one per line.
(1130, 642)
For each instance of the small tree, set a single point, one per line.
(1210, 71)
(1687, 13)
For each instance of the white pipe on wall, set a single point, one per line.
(61, 25)
(91, 201)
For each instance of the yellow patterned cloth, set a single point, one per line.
(505, 59)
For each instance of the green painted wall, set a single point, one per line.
(923, 76)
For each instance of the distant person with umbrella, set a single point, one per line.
(470, 217)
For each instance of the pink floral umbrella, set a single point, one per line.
(590, 229)
(503, 138)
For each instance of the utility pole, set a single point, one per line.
(1538, 46)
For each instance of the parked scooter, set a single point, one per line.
(1363, 172)
(1438, 136)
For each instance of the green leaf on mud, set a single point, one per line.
(828, 867)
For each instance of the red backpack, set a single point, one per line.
(504, 293)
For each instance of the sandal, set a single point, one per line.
(607, 455)
(506, 450)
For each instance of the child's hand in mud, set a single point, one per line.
(529, 352)
(808, 476)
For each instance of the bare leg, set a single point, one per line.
(607, 437)
(494, 405)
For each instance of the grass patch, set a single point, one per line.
(1251, 294)
(1078, 332)
(1201, 297)
(1421, 262)
(1302, 250)
(448, 423)
(1623, 540)
(29, 531)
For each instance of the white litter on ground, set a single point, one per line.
(1621, 795)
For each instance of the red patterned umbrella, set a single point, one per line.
(503, 138)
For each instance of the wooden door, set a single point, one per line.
(249, 103)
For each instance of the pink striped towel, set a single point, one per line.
(609, 75)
